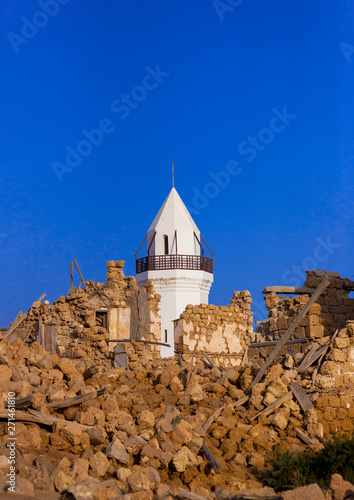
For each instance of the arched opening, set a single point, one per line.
(165, 241)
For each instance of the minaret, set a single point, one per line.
(176, 263)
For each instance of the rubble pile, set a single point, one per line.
(156, 430)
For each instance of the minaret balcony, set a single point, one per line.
(174, 261)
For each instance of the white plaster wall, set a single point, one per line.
(176, 293)
(186, 242)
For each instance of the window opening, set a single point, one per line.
(102, 319)
(165, 238)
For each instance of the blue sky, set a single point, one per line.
(263, 89)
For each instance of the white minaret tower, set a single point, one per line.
(176, 264)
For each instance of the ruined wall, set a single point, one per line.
(332, 310)
(329, 380)
(87, 318)
(221, 331)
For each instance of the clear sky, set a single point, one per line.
(253, 100)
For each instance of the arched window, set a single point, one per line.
(165, 240)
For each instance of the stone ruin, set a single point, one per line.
(97, 422)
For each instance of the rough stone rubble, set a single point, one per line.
(155, 429)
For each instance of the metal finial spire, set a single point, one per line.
(173, 175)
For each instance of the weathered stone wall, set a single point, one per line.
(332, 382)
(330, 312)
(221, 331)
(132, 313)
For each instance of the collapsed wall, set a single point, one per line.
(328, 330)
(91, 318)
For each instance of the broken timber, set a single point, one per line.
(291, 290)
(306, 439)
(301, 396)
(15, 324)
(76, 400)
(78, 270)
(274, 406)
(210, 457)
(268, 343)
(321, 287)
(142, 341)
(22, 402)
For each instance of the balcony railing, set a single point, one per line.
(161, 262)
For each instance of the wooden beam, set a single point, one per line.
(274, 406)
(40, 332)
(306, 439)
(78, 270)
(142, 341)
(24, 316)
(321, 287)
(311, 357)
(301, 396)
(76, 400)
(38, 418)
(22, 402)
(314, 375)
(92, 294)
(210, 457)
(298, 290)
(268, 343)
(72, 289)
(210, 361)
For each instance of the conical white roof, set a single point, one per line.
(173, 215)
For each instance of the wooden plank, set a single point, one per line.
(322, 286)
(301, 396)
(24, 316)
(320, 351)
(101, 287)
(210, 457)
(244, 360)
(50, 338)
(210, 420)
(298, 290)
(268, 343)
(76, 400)
(40, 332)
(72, 289)
(78, 270)
(37, 417)
(22, 402)
(142, 341)
(308, 356)
(314, 375)
(18, 317)
(120, 356)
(240, 402)
(274, 406)
(306, 439)
(102, 294)
(210, 361)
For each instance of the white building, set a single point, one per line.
(176, 263)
